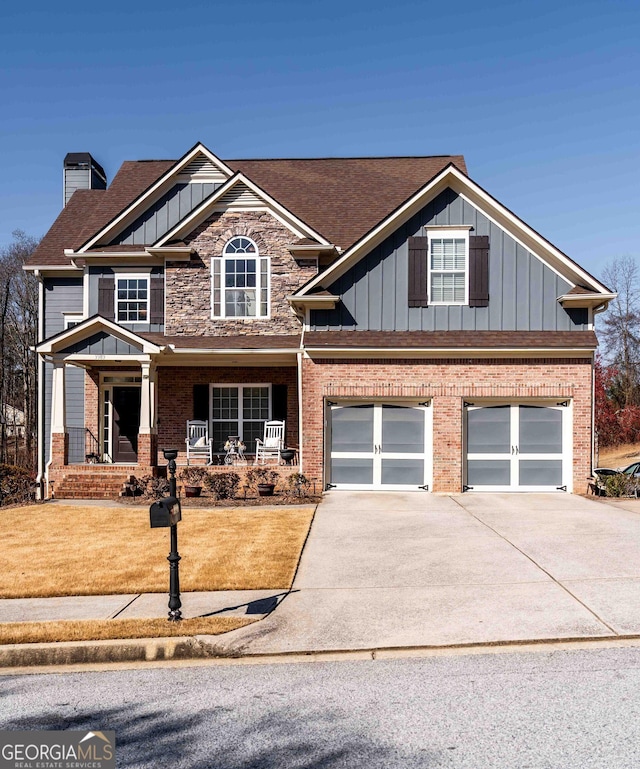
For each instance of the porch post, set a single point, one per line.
(145, 400)
(59, 439)
(147, 438)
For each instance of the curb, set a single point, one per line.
(96, 652)
(184, 648)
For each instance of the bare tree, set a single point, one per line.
(18, 333)
(619, 329)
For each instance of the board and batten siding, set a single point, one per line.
(95, 273)
(523, 291)
(166, 213)
(62, 295)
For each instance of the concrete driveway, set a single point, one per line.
(409, 569)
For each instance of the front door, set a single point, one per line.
(379, 446)
(518, 447)
(126, 423)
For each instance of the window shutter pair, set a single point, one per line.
(106, 298)
(478, 271)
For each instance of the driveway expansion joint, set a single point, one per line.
(537, 565)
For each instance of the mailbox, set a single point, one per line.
(165, 512)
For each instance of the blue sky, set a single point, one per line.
(542, 98)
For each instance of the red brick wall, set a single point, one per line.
(449, 383)
(175, 398)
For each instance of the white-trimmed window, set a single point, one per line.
(240, 281)
(239, 410)
(132, 298)
(448, 267)
(72, 319)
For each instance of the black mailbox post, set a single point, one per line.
(166, 513)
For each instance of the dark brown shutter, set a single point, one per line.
(418, 256)
(156, 300)
(201, 402)
(478, 271)
(106, 297)
(279, 402)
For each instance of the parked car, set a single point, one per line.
(632, 469)
(628, 485)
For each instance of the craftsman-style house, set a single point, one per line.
(409, 330)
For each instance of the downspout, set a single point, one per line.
(40, 418)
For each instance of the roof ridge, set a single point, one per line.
(349, 157)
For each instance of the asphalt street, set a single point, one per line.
(547, 709)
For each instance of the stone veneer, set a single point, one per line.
(188, 285)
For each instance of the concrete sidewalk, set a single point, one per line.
(385, 570)
(224, 603)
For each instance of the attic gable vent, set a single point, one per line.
(202, 168)
(240, 196)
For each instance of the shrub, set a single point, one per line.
(16, 485)
(620, 485)
(192, 476)
(258, 475)
(223, 485)
(297, 485)
(149, 487)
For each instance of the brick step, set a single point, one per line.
(95, 494)
(91, 485)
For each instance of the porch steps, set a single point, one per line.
(90, 486)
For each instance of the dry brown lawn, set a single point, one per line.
(618, 456)
(102, 630)
(58, 550)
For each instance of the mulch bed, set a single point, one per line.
(205, 501)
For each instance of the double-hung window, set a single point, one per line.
(132, 298)
(240, 281)
(448, 261)
(239, 410)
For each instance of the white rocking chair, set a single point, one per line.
(269, 448)
(198, 441)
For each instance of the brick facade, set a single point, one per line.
(188, 285)
(448, 383)
(175, 398)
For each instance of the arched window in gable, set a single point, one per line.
(240, 281)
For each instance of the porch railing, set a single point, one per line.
(83, 446)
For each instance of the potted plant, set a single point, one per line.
(192, 478)
(263, 479)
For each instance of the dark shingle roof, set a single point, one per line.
(448, 339)
(236, 342)
(341, 198)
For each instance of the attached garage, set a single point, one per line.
(385, 446)
(518, 446)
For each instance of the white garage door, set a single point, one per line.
(518, 447)
(379, 446)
